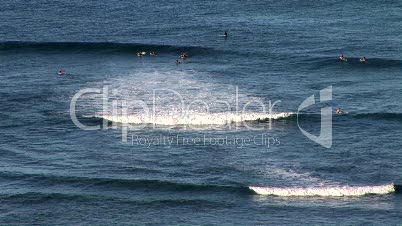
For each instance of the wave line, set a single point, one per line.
(195, 119)
(326, 191)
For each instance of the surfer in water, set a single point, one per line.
(61, 73)
(338, 111)
(140, 54)
(177, 62)
(225, 35)
(343, 59)
(363, 60)
(183, 56)
(153, 54)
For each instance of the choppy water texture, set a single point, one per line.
(198, 168)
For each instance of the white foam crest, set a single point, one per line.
(195, 118)
(325, 191)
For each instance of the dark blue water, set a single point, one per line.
(54, 173)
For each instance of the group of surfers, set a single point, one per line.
(344, 59)
(182, 56)
(140, 54)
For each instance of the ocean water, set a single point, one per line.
(199, 167)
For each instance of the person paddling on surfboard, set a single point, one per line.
(61, 73)
(363, 60)
(338, 111)
(140, 54)
(343, 59)
(183, 56)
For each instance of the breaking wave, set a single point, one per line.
(195, 119)
(326, 191)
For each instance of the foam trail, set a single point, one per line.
(325, 191)
(194, 119)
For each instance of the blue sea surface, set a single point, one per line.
(55, 173)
